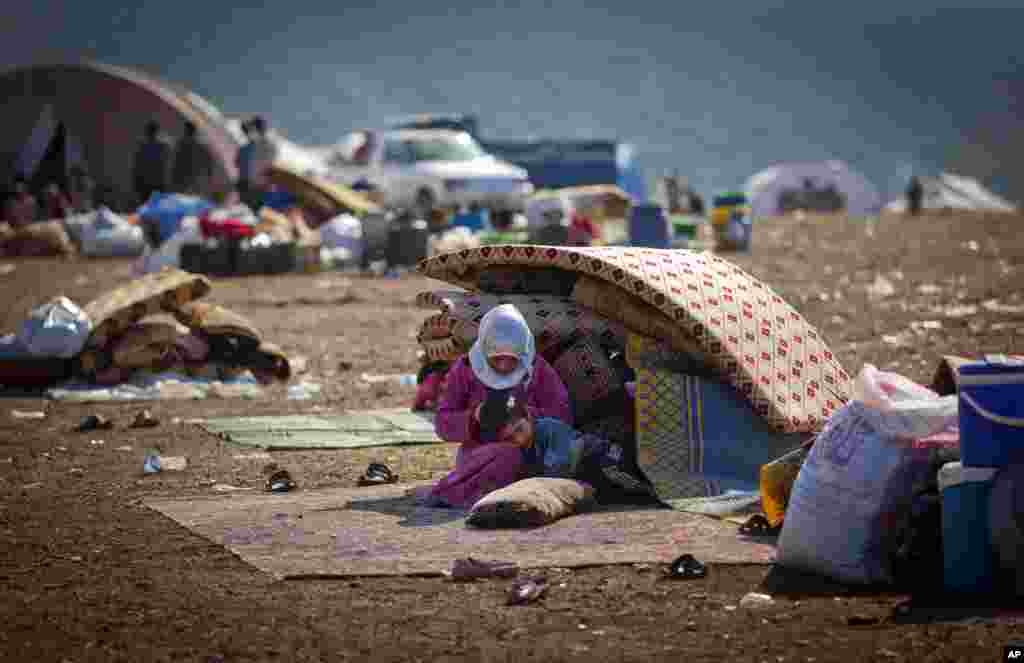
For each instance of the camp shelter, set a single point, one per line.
(93, 115)
(729, 377)
(826, 186)
(955, 192)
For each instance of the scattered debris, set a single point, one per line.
(929, 289)
(994, 306)
(258, 455)
(6, 269)
(299, 364)
(527, 590)
(754, 601)
(174, 463)
(862, 620)
(344, 365)
(77, 471)
(686, 567)
(959, 311)
(227, 488)
(899, 340)
(145, 419)
(20, 414)
(97, 443)
(303, 391)
(881, 288)
(971, 246)
(281, 482)
(156, 463)
(126, 447)
(94, 422)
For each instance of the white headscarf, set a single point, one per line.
(503, 331)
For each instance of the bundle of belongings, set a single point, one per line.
(699, 371)
(36, 240)
(154, 324)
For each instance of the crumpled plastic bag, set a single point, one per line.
(852, 497)
(58, 328)
(169, 252)
(111, 236)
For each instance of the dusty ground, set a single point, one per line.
(88, 574)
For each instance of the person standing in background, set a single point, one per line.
(193, 164)
(151, 170)
(254, 161)
(21, 208)
(915, 195)
(81, 190)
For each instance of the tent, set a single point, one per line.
(955, 192)
(92, 114)
(828, 186)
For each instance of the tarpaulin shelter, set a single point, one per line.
(955, 192)
(826, 186)
(93, 115)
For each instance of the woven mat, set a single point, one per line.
(381, 531)
(371, 428)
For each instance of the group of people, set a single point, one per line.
(21, 206)
(188, 166)
(537, 440)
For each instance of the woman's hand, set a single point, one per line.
(519, 433)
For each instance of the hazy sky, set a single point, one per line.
(719, 90)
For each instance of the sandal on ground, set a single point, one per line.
(526, 590)
(281, 482)
(378, 474)
(686, 567)
(759, 526)
(470, 568)
(94, 422)
(145, 419)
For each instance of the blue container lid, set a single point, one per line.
(992, 365)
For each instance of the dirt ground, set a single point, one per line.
(88, 574)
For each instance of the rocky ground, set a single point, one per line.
(88, 574)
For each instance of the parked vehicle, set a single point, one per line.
(427, 169)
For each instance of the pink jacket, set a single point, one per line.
(546, 396)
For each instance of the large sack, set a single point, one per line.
(530, 503)
(851, 499)
(37, 240)
(58, 328)
(109, 235)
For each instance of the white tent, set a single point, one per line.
(773, 191)
(955, 192)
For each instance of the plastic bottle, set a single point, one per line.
(152, 463)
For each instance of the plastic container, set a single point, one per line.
(1007, 527)
(991, 411)
(650, 227)
(966, 540)
(407, 243)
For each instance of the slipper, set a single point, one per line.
(469, 569)
(527, 590)
(94, 422)
(758, 525)
(377, 474)
(281, 482)
(686, 567)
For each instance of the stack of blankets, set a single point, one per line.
(155, 324)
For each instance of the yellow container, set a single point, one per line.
(777, 479)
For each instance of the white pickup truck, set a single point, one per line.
(426, 169)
